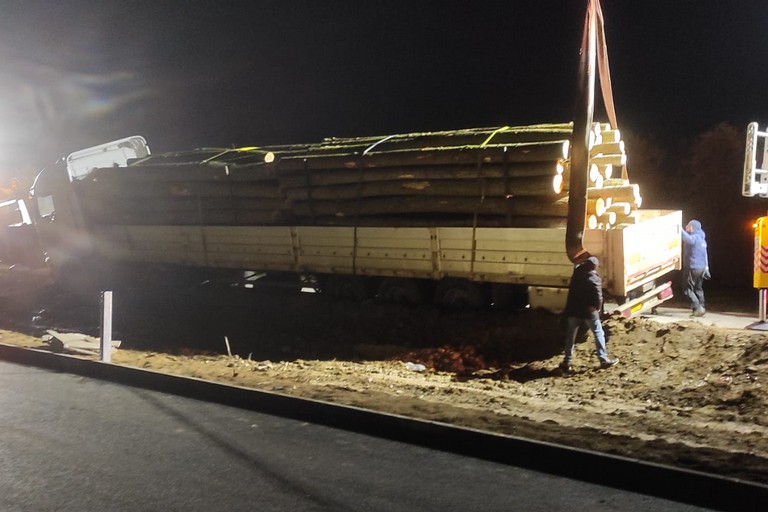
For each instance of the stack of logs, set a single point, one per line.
(611, 198)
(508, 176)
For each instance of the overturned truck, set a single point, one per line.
(463, 217)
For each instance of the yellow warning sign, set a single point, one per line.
(761, 253)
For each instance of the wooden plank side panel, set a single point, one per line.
(395, 234)
(394, 254)
(513, 255)
(522, 235)
(399, 239)
(545, 278)
(556, 246)
(651, 247)
(276, 236)
(325, 249)
(325, 236)
(164, 244)
(395, 266)
(243, 250)
(505, 239)
(249, 247)
(522, 257)
(395, 251)
(527, 273)
(455, 259)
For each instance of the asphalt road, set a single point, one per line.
(71, 443)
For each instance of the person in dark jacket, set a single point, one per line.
(695, 266)
(582, 307)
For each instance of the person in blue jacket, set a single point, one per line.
(583, 306)
(695, 266)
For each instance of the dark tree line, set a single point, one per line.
(703, 178)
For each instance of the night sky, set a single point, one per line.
(190, 73)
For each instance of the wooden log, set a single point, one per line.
(181, 204)
(596, 177)
(607, 219)
(213, 156)
(615, 182)
(127, 187)
(489, 187)
(626, 219)
(558, 184)
(396, 144)
(462, 137)
(601, 127)
(626, 194)
(594, 139)
(521, 206)
(437, 221)
(607, 148)
(182, 218)
(617, 160)
(610, 136)
(594, 172)
(156, 173)
(458, 172)
(497, 136)
(460, 155)
(623, 209)
(596, 206)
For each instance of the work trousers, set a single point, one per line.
(594, 324)
(693, 280)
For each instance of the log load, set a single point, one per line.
(503, 176)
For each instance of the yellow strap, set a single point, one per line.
(498, 130)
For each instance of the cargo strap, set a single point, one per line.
(481, 182)
(604, 72)
(310, 199)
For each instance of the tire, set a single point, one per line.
(348, 287)
(401, 291)
(458, 294)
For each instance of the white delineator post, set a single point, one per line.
(106, 327)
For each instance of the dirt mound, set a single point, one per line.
(683, 394)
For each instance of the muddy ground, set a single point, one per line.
(683, 394)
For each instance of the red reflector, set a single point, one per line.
(665, 294)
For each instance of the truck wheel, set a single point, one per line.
(348, 287)
(400, 291)
(459, 294)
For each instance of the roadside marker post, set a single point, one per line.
(106, 327)
(755, 183)
(760, 278)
